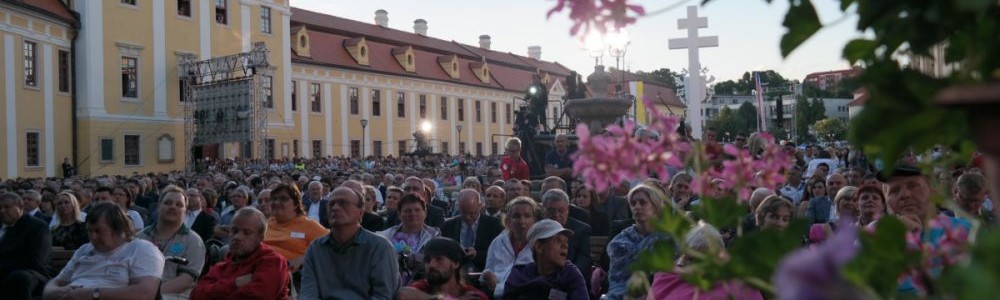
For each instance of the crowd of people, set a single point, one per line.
(414, 228)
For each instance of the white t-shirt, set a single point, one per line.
(137, 223)
(132, 260)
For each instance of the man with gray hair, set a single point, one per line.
(25, 246)
(251, 270)
(473, 229)
(313, 202)
(32, 200)
(555, 203)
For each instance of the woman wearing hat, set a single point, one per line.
(551, 275)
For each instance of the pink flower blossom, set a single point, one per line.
(598, 14)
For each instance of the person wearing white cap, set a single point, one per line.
(551, 275)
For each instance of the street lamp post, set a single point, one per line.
(364, 136)
(459, 127)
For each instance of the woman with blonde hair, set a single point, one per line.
(646, 203)
(68, 229)
(773, 213)
(511, 246)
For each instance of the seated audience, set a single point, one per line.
(289, 230)
(773, 213)
(646, 204)
(114, 265)
(411, 234)
(25, 246)
(511, 246)
(705, 239)
(586, 199)
(182, 248)
(551, 275)
(473, 229)
(555, 204)
(443, 260)
(68, 228)
(251, 269)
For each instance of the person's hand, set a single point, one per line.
(60, 293)
(470, 252)
(295, 264)
(408, 293)
(79, 294)
(243, 280)
(912, 223)
(490, 279)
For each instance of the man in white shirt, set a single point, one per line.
(793, 189)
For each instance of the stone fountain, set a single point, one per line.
(601, 108)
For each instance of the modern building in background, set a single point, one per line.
(829, 80)
(335, 86)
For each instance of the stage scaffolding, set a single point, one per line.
(224, 101)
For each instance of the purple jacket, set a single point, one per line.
(524, 282)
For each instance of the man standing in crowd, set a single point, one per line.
(474, 230)
(25, 246)
(513, 166)
(443, 267)
(350, 262)
(558, 161)
(251, 270)
(555, 204)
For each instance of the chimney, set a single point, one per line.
(484, 41)
(382, 18)
(535, 52)
(420, 27)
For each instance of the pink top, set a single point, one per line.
(670, 286)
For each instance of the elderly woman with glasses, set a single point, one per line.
(289, 230)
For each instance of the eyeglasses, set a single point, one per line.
(343, 203)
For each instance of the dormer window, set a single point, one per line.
(449, 63)
(404, 56)
(358, 49)
(303, 42)
(301, 36)
(481, 70)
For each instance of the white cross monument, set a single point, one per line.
(695, 85)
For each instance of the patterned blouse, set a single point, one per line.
(70, 237)
(623, 250)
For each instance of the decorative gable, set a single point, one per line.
(556, 88)
(300, 42)
(481, 70)
(358, 49)
(449, 63)
(405, 57)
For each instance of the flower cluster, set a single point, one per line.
(814, 273)
(741, 172)
(598, 14)
(606, 159)
(943, 243)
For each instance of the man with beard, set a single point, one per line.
(442, 263)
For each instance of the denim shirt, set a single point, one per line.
(623, 250)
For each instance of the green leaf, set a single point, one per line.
(802, 22)
(859, 49)
(722, 213)
(757, 254)
(882, 258)
(660, 257)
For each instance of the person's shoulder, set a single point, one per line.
(33, 223)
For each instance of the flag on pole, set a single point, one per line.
(761, 119)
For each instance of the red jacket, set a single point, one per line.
(269, 280)
(514, 169)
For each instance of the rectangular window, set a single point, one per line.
(132, 150)
(493, 149)
(479, 149)
(506, 113)
(376, 102)
(461, 148)
(316, 102)
(493, 112)
(269, 149)
(401, 104)
(461, 110)
(423, 106)
(377, 148)
(444, 108)
(220, 12)
(295, 148)
(64, 71)
(128, 2)
(130, 77)
(184, 8)
(107, 150)
(401, 147)
(352, 93)
(30, 72)
(317, 148)
(295, 102)
(444, 147)
(355, 148)
(268, 86)
(265, 19)
(32, 142)
(479, 111)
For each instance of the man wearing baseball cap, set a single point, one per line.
(551, 275)
(443, 259)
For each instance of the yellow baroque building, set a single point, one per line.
(97, 83)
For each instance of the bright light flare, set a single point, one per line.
(426, 126)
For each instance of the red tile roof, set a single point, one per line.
(326, 32)
(53, 8)
(662, 95)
